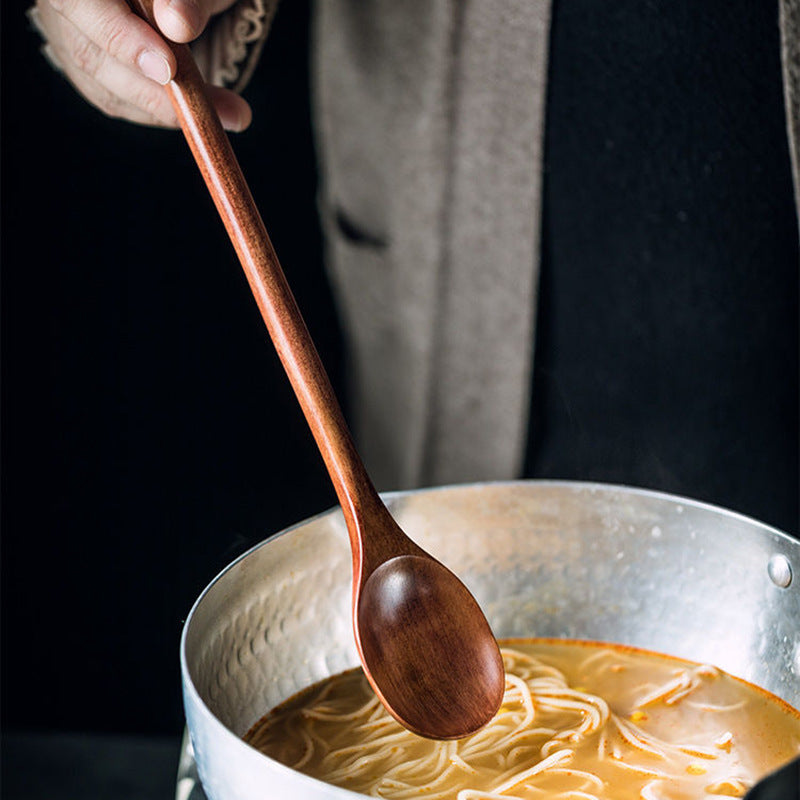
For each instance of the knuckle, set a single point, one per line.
(86, 56)
(152, 103)
(99, 96)
(116, 34)
(115, 40)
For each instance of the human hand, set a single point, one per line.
(117, 61)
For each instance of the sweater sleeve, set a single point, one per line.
(228, 51)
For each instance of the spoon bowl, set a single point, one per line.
(414, 604)
(424, 642)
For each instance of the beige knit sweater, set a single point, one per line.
(430, 200)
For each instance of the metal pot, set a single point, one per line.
(572, 560)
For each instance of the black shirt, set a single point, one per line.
(667, 332)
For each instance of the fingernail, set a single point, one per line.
(154, 66)
(186, 16)
(236, 122)
(232, 125)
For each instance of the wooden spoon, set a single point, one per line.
(424, 643)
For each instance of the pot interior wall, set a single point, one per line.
(543, 559)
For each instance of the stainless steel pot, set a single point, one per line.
(557, 559)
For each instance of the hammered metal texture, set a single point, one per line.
(276, 622)
(542, 558)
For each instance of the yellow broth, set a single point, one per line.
(579, 720)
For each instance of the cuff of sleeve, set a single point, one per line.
(228, 52)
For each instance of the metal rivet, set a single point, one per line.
(780, 571)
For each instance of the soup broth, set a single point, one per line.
(579, 720)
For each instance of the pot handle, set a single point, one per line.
(782, 784)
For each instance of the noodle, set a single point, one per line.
(578, 722)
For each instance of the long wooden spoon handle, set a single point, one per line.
(223, 176)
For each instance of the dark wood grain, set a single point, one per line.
(424, 642)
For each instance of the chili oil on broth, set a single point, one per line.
(579, 720)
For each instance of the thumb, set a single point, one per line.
(184, 20)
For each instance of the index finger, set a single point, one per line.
(117, 30)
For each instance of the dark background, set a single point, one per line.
(667, 351)
(149, 435)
